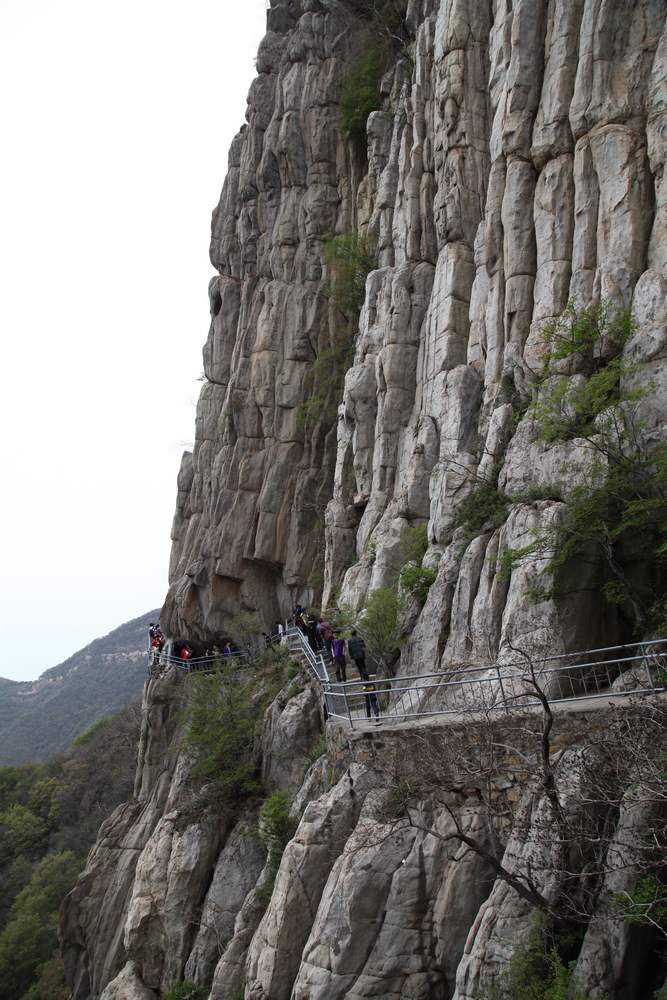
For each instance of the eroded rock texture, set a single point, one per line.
(516, 162)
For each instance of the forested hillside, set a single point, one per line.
(42, 717)
(49, 817)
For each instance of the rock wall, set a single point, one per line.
(516, 163)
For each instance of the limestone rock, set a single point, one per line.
(515, 162)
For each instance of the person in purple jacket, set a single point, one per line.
(338, 650)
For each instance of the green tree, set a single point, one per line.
(49, 982)
(222, 720)
(21, 832)
(378, 624)
(30, 935)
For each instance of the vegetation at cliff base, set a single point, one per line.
(538, 971)
(49, 817)
(185, 990)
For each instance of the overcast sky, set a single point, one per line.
(116, 119)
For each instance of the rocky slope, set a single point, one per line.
(41, 718)
(515, 163)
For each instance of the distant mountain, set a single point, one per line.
(40, 718)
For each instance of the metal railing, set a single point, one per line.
(464, 690)
(470, 691)
(209, 664)
(298, 643)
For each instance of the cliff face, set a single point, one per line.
(516, 164)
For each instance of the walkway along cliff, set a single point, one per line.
(503, 207)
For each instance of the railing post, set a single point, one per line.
(347, 709)
(502, 690)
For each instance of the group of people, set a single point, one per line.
(322, 637)
(156, 641)
(181, 650)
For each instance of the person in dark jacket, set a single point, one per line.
(327, 637)
(371, 700)
(356, 647)
(338, 650)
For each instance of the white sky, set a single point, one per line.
(116, 118)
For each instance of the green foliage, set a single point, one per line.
(569, 408)
(88, 734)
(646, 905)
(21, 832)
(414, 542)
(361, 94)
(222, 720)
(350, 258)
(510, 557)
(293, 669)
(185, 990)
(276, 828)
(484, 508)
(579, 334)
(318, 750)
(617, 522)
(324, 382)
(378, 623)
(49, 818)
(417, 580)
(275, 824)
(49, 983)
(244, 628)
(537, 972)
(30, 936)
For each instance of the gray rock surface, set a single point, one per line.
(517, 162)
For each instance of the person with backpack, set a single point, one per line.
(371, 699)
(327, 636)
(356, 647)
(338, 650)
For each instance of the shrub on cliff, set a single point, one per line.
(350, 258)
(617, 520)
(222, 719)
(185, 990)
(361, 94)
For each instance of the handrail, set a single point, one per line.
(465, 689)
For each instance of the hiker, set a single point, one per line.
(227, 649)
(371, 699)
(301, 621)
(310, 624)
(297, 614)
(326, 635)
(155, 650)
(338, 652)
(356, 647)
